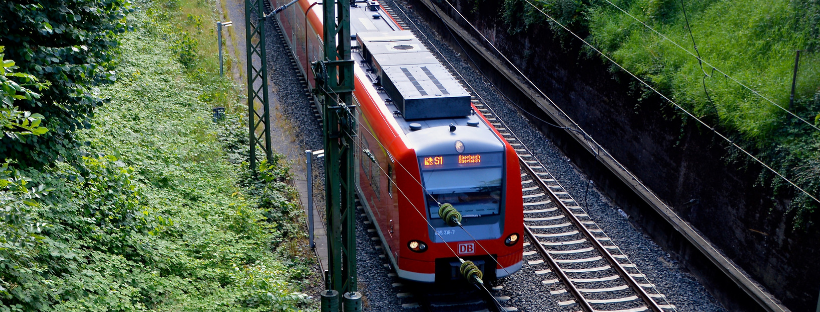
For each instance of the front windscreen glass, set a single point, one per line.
(474, 191)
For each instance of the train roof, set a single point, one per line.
(424, 98)
(419, 86)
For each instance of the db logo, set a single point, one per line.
(466, 248)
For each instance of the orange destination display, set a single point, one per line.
(469, 159)
(446, 162)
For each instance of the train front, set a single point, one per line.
(463, 162)
(447, 153)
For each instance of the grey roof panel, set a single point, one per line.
(418, 58)
(425, 91)
(411, 75)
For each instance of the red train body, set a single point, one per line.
(421, 143)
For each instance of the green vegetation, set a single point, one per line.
(752, 41)
(153, 210)
(17, 124)
(71, 46)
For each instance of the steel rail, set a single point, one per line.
(651, 304)
(555, 268)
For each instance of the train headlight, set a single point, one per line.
(512, 239)
(417, 246)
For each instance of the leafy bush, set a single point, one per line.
(17, 124)
(73, 236)
(19, 228)
(185, 48)
(71, 46)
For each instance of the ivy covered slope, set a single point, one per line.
(151, 213)
(752, 41)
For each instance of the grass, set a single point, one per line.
(753, 41)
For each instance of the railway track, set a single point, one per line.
(581, 264)
(576, 261)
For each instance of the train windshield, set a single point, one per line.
(474, 191)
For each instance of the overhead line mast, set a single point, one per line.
(334, 80)
(257, 80)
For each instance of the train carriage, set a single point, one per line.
(421, 143)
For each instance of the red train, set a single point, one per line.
(421, 144)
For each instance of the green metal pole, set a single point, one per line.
(335, 79)
(263, 62)
(257, 80)
(348, 158)
(249, 52)
(219, 46)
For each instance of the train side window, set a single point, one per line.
(390, 180)
(376, 179)
(365, 165)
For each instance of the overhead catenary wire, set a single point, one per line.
(640, 80)
(691, 36)
(501, 120)
(521, 109)
(577, 128)
(606, 152)
(676, 104)
(702, 61)
(585, 42)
